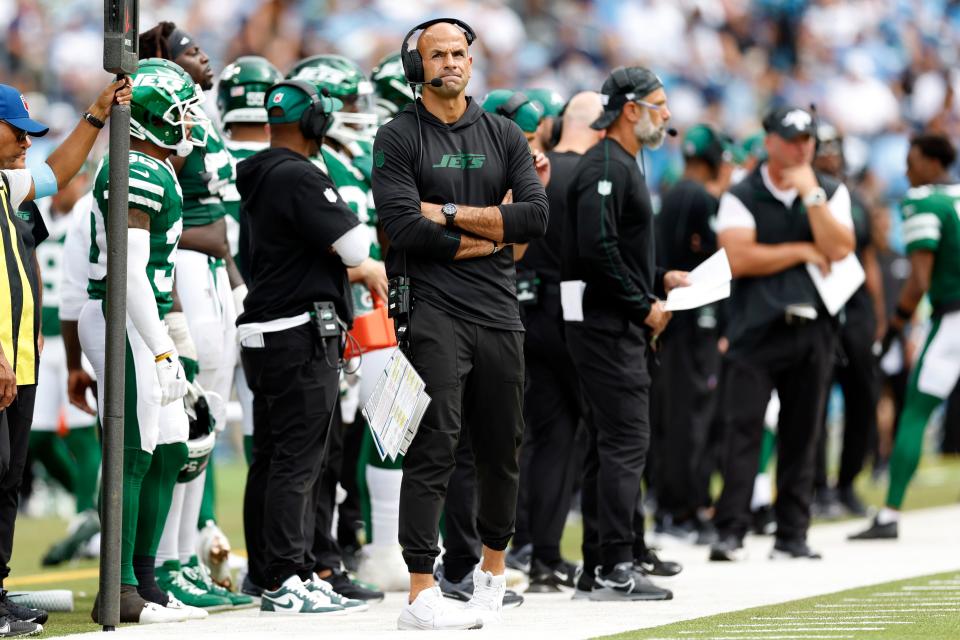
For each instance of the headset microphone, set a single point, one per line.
(671, 132)
(435, 82)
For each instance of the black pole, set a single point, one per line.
(116, 336)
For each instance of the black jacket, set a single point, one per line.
(291, 216)
(473, 162)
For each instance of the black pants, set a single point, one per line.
(15, 422)
(610, 357)
(294, 391)
(858, 376)
(796, 361)
(462, 546)
(682, 409)
(474, 376)
(323, 548)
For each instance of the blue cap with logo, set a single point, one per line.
(14, 111)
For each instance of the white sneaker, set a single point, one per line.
(431, 611)
(323, 592)
(487, 600)
(193, 613)
(293, 597)
(153, 613)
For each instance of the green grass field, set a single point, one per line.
(937, 483)
(920, 608)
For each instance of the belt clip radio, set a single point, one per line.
(325, 320)
(398, 306)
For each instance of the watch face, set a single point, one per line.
(449, 209)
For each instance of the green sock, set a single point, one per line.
(156, 495)
(908, 446)
(83, 444)
(208, 506)
(136, 463)
(767, 446)
(248, 448)
(48, 447)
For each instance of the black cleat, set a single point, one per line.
(877, 531)
(850, 501)
(706, 534)
(347, 588)
(651, 564)
(11, 627)
(625, 583)
(728, 548)
(20, 612)
(763, 522)
(584, 582)
(793, 550)
(549, 579)
(520, 559)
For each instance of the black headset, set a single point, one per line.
(557, 129)
(412, 61)
(510, 107)
(314, 121)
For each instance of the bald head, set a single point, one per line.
(443, 49)
(580, 112)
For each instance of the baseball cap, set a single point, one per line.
(549, 101)
(790, 123)
(702, 141)
(621, 86)
(515, 105)
(14, 110)
(293, 101)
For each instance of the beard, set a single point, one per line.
(648, 134)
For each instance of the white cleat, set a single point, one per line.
(487, 600)
(153, 613)
(193, 613)
(431, 611)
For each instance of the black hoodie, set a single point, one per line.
(291, 216)
(472, 162)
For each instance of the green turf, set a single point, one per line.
(856, 613)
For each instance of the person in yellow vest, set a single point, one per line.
(20, 301)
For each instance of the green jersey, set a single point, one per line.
(204, 176)
(155, 191)
(353, 184)
(932, 223)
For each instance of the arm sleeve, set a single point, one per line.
(398, 202)
(76, 258)
(141, 303)
(598, 240)
(526, 218)
(353, 247)
(19, 181)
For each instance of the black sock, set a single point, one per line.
(147, 581)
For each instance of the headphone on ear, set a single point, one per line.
(557, 129)
(315, 119)
(412, 61)
(508, 108)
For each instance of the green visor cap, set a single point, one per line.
(703, 141)
(752, 146)
(516, 106)
(550, 102)
(294, 101)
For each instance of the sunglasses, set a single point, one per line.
(20, 134)
(650, 105)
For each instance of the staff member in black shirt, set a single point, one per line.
(686, 380)
(608, 244)
(302, 236)
(552, 407)
(782, 216)
(442, 167)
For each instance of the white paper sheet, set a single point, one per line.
(571, 299)
(396, 406)
(709, 282)
(840, 284)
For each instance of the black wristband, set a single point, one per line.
(903, 314)
(93, 120)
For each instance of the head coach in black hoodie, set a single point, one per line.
(300, 237)
(442, 168)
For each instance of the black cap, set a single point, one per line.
(790, 122)
(621, 86)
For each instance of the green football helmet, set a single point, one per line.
(392, 90)
(549, 101)
(343, 79)
(163, 96)
(242, 89)
(516, 106)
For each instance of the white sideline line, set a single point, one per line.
(798, 629)
(928, 588)
(827, 615)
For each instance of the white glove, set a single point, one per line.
(173, 381)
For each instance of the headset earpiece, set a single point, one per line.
(410, 58)
(557, 129)
(510, 107)
(314, 121)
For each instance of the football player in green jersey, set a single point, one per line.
(155, 424)
(63, 438)
(931, 229)
(346, 156)
(204, 286)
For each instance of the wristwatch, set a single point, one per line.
(93, 120)
(815, 197)
(449, 212)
